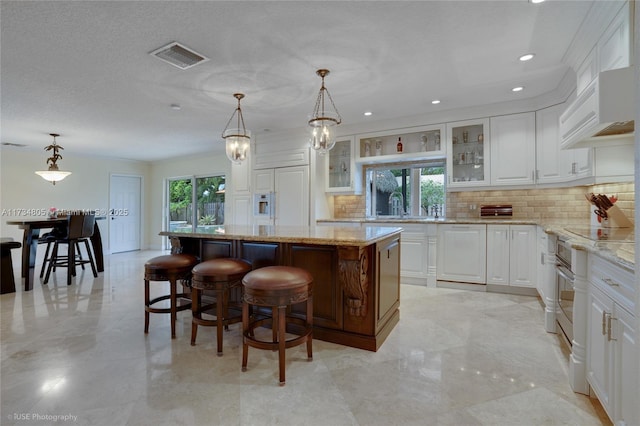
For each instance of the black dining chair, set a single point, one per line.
(79, 230)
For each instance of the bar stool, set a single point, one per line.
(219, 275)
(277, 287)
(170, 268)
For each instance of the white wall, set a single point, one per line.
(87, 188)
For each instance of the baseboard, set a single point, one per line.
(507, 289)
(461, 286)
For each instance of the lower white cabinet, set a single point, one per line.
(511, 255)
(462, 253)
(611, 346)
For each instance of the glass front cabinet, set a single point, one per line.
(468, 153)
(342, 172)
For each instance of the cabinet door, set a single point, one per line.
(522, 260)
(513, 149)
(414, 255)
(598, 349)
(626, 368)
(497, 254)
(468, 161)
(388, 285)
(292, 196)
(553, 164)
(614, 47)
(241, 210)
(263, 181)
(342, 172)
(462, 253)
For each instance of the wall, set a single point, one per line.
(87, 188)
(545, 205)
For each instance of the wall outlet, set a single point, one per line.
(472, 207)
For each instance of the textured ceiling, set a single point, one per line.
(83, 69)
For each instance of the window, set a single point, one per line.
(399, 190)
(196, 200)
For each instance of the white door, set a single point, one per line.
(124, 213)
(462, 253)
(292, 196)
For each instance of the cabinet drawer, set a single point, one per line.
(615, 281)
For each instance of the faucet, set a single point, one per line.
(396, 195)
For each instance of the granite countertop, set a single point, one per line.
(321, 235)
(621, 253)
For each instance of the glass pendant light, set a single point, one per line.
(53, 174)
(237, 139)
(323, 123)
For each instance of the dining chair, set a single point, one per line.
(79, 230)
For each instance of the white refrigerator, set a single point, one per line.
(281, 196)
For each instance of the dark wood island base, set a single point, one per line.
(356, 272)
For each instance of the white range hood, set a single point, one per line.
(603, 114)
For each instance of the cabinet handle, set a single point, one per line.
(604, 322)
(542, 258)
(610, 282)
(609, 321)
(537, 174)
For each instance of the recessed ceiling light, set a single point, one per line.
(368, 113)
(435, 101)
(175, 107)
(517, 89)
(527, 57)
(536, 1)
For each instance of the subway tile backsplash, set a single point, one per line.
(548, 205)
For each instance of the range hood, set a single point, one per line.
(603, 114)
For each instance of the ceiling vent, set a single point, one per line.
(179, 55)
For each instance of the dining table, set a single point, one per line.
(32, 227)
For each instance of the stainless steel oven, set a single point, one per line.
(565, 281)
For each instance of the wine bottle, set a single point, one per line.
(399, 146)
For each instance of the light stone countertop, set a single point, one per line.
(621, 253)
(318, 235)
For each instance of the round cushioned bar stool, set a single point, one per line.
(219, 275)
(277, 287)
(170, 268)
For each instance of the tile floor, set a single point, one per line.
(78, 355)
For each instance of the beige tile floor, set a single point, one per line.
(456, 358)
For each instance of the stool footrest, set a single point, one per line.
(262, 344)
(181, 307)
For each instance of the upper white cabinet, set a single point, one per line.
(513, 149)
(511, 255)
(415, 143)
(555, 165)
(614, 47)
(462, 253)
(468, 153)
(343, 175)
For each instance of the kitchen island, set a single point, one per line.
(356, 271)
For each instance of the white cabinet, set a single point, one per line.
(511, 255)
(462, 253)
(555, 165)
(343, 176)
(290, 188)
(238, 193)
(614, 47)
(513, 149)
(417, 252)
(468, 162)
(612, 366)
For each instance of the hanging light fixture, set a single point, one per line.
(323, 123)
(53, 174)
(237, 139)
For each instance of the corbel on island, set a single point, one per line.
(356, 271)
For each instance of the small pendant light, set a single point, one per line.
(322, 122)
(237, 139)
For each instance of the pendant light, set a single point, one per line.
(53, 174)
(237, 139)
(322, 122)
